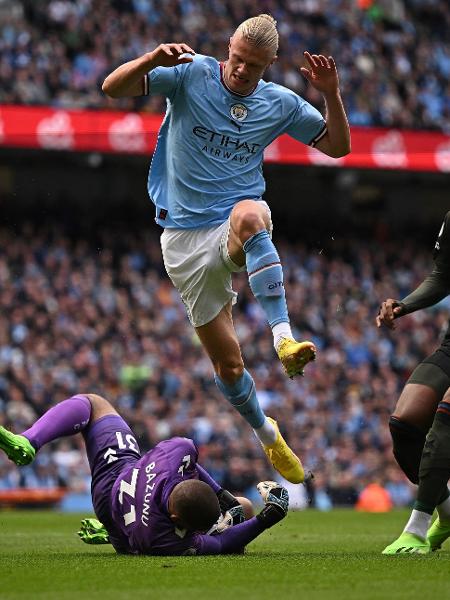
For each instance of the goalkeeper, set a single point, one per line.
(161, 503)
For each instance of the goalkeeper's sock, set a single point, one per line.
(66, 418)
(418, 523)
(265, 276)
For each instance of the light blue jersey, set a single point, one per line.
(210, 146)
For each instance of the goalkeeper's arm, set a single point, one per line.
(276, 499)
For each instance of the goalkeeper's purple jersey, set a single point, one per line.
(140, 496)
(139, 506)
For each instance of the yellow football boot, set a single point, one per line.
(295, 356)
(283, 459)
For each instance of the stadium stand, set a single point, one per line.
(393, 56)
(98, 314)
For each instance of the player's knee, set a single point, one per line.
(230, 371)
(418, 402)
(100, 406)
(407, 413)
(250, 220)
(96, 400)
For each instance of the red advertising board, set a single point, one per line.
(136, 133)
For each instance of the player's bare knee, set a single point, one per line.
(100, 406)
(230, 371)
(250, 218)
(409, 419)
(405, 407)
(413, 417)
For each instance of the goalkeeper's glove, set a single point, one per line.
(93, 532)
(276, 500)
(232, 512)
(232, 517)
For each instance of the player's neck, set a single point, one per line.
(225, 84)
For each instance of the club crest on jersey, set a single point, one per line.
(239, 112)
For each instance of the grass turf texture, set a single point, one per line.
(310, 555)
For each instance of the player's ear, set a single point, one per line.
(274, 59)
(176, 520)
(172, 512)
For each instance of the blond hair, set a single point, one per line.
(261, 31)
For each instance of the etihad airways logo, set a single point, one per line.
(224, 141)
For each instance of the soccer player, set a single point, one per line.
(163, 502)
(206, 183)
(423, 453)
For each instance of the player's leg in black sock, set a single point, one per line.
(407, 445)
(434, 471)
(413, 416)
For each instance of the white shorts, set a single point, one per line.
(198, 263)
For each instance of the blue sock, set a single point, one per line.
(265, 276)
(242, 395)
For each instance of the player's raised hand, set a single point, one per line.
(389, 310)
(171, 55)
(321, 73)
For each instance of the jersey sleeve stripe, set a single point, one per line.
(319, 136)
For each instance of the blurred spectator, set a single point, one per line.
(374, 498)
(393, 56)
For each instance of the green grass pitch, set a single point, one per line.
(310, 555)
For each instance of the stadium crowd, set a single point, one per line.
(100, 315)
(393, 56)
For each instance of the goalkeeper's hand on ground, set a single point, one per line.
(276, 500)
(93, 532)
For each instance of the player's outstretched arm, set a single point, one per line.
(432, 290)
(233, 539)
(323, 76)
(127, 80)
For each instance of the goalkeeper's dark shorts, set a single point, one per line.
(434, 372)
(111, 448)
